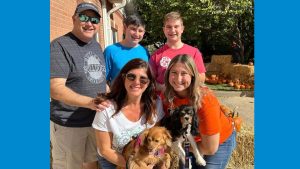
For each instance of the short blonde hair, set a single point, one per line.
(173, 16)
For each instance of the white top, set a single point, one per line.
(122, 128)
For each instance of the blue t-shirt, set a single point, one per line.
(116, 56)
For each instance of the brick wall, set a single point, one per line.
(118, 20)
(61, 12)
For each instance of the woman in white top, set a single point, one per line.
(134, 108)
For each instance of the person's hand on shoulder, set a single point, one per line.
(100, 106)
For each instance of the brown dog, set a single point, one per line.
(149, 149)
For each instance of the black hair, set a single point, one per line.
(135, 20)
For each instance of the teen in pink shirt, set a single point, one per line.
(160, 59)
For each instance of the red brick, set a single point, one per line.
(61, 12)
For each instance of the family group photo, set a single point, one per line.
(152, 84)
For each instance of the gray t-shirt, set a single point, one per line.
(83, 65)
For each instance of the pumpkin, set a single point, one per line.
(213, 81)
(237, 86)
(242, 86)
(226, 110)
(231, 84)
(237, 81)
(247, 86)
(237, 123)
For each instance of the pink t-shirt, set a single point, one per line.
(161, 58)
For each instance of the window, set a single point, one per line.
(114, 35)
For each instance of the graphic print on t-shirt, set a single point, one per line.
(94, 68)
(121, 139)
(164, 61)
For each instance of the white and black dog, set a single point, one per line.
(183, 124)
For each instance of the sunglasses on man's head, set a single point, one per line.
(85, 18)
(132, 77)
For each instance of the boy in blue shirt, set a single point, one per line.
(118, 54)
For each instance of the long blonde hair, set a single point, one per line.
(194, 91)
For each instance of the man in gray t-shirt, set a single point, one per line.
(77, 74)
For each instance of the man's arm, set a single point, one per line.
(107, 88)
(200, 65)
(59, 91)
(202, 77)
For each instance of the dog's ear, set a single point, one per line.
(175, 124)
(167, 137)
(175, 115)
(170, 111)
(143, 136)
(195, 124)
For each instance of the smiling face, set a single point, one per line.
(136, 82)
(134, 34)
(156, 138)
(173, 29)
(180, 79)
(85, 31)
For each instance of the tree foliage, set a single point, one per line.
(211, 25)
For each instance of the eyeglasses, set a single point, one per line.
(85, 18)
(132, 77)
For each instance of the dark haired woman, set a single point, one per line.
(134, 108)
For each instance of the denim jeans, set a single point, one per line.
(105, 164)
(220, 159)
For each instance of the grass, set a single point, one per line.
(224, 87)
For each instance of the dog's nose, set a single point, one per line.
(186, 118)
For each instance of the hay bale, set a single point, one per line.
(221, 59)
(251, 80)
(243, 155)
(227, 69)
(242, 72)
(212, 67)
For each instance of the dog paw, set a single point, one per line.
(168, 164)
(201, 161)
(167, 160)
(152, 161)
(190, 164)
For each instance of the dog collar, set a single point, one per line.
(156, 153)
(138, 142)
(159, 152)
